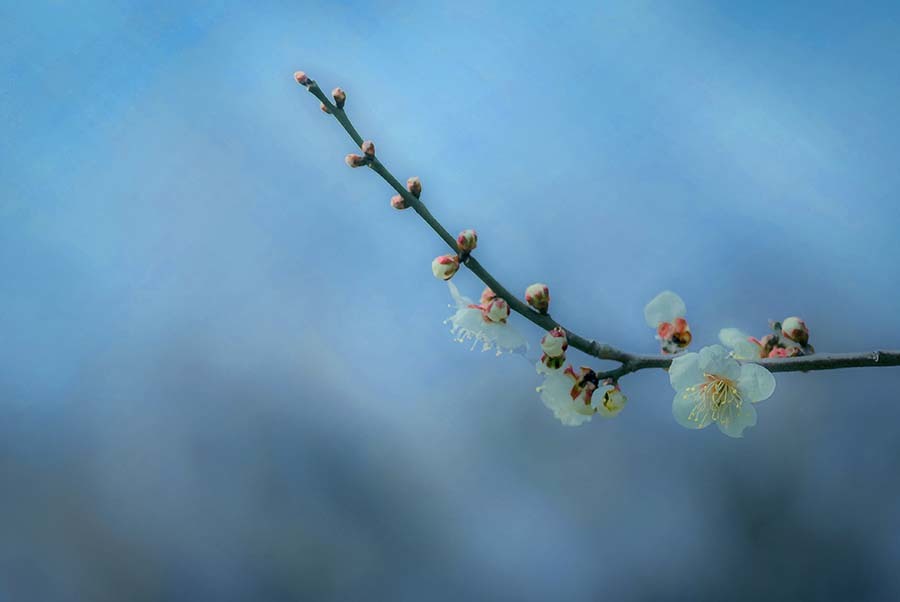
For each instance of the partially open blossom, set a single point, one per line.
(497, 310)
(355, 160)
(611, 402)
(538, 296)
(445, 266)
(742, 345)
(469, 322)
(712, 386)
(553, 346)
(467, 240)
(368, 148)
(414, 186)
(795, 329)
(398, 202)
(301, 78)
(569, 394)
(340, 97)
(665, 313)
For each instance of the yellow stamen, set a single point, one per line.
(713, 400)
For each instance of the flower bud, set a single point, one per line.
(324, 108)
(368, 147)
(414, 186)
(467, 240)
(553, 363)
(355, 160)
(795, 329)
(778, 352)
(301, 78)
(612, 403)
(445, 266)
(487, 295)
(340, 97)
(398, 202)
(497, 310)
(538, 296)
(555, 343)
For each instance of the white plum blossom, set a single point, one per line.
(665, 313)
(486, 324)
(611, 402)
(711, 386)
(557, 394)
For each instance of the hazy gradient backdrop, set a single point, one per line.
(223, 369)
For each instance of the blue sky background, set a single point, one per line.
(224, 373)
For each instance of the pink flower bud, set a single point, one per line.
(398, 202)
(368, 147)
(301, 78)
(414, 186)
(778, 352)
(795, 329)
(445, 266)
(538, 296)
(355, 160)
(497, 310)
(487, 295)
(324, 108)
(467, 240)
(340, 97)
(555, 342)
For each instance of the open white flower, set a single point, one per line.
(713, 387)
(482, 323)
(557, 391)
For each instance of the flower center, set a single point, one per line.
(715, 399)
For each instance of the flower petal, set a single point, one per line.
(664, 307)
(739, 342)
(734, 423)
(685, 371)
(755, 383)
(683, 407)
(715, 360)
(555, 393)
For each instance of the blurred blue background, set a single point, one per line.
(224, 373)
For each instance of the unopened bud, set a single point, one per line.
(497, 310)
(795, 329)
(467, 240)
(355, 160)
(398, 202)
(555, 342)
(414, 186)
(301, 78)
(368, 147)
(324, 108)
(554, 363)
(487, 295)
(340, 97)
(445, 266)
(538, 296)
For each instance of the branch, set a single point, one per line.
(630, 362)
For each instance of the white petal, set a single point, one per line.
(457, 297)
(683, 410)
(685, 371)
(664, 307)
(468, 324)
(736, 421)
(755, 383)
(555, 395)
(715, 360)
(739, 342)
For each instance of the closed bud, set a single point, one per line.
(553, 363)
(355, 160)
(497, 310)
(301, 78)
(467, 240)
(368, 147)
(340, 97)
(555, 343)
(414, 186)
(538, 296)
(324, 108)
(445, 266)
(795, 329)
(398, 202)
